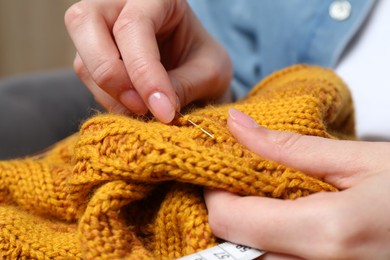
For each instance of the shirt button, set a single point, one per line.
(340, 10)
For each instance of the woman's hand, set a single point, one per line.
(142, 55)
(351, 224)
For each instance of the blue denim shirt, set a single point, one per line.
(263, 36)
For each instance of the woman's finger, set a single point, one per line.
(102, 97)
(200, 80)
(341, 163)
(91, 34)
(350, 224)
(282, 226)
(135, 34)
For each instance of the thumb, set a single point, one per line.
(341, 163)
(202, 79)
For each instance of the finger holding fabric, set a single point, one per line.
(147, 55)
(352, 223)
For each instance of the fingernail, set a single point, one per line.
(161, 107)
(242, 119)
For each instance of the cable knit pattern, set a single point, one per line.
(132, 188)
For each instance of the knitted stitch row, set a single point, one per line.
(132, 188)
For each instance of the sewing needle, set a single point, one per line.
(197, 126)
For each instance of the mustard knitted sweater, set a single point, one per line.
(132, 188)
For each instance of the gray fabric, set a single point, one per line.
(38, 110)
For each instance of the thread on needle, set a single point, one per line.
(197, 126)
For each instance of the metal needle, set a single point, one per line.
(196, 125)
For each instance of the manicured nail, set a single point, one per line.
(242, 119)
(161, 107)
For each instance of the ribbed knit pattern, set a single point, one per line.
(132, 188)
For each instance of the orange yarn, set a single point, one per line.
(126, 188)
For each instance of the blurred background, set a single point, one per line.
(33, 36)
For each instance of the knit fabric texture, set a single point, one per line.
(131, 188)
